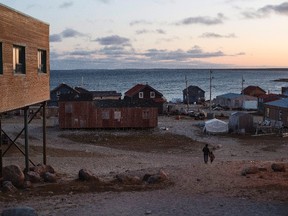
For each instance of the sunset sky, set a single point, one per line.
(113, 34)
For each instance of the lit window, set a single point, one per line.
(141, 95)
(19, 59)
(1, 60)
(152, 94)
(41, 61)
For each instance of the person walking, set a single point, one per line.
(206, 152)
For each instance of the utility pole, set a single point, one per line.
(187, 93)
(210, 90)
(242, 82)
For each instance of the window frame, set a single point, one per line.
(42, 61)
(19, 59)
(152, 94)
(141, 95)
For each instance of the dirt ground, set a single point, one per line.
(175, 147)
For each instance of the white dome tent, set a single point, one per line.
(215, 126)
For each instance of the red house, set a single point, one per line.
(141, 92)
(254, 91)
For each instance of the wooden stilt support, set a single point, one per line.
(44, 133)
(26, 139)
(1, 161)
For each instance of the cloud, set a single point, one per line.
(67, 33)
(181, 55)
(55, 38)
(113, 40)
(145, 31)
(202, 20)
(139, 22)
(66, 4)
(115, 57)
(214, 35)
(281, 9)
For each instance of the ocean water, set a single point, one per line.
(171, 82)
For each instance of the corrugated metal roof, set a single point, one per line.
(230, 95)
(279, 103)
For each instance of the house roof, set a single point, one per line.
(279, 103)
(193, 87)
(63, 85)
(250, 89)
(230, 95)
(105, 93)
(139, 87)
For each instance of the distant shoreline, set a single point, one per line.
(281, 80)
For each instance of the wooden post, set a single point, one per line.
(26, 138)
(44, 132)
(1, 161)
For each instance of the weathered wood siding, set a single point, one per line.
(20, 90)
(84, 114)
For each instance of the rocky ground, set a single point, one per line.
(175, 147)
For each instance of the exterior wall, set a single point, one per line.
(20, 90)
(195, 95)
(275, 114)
(84, 114)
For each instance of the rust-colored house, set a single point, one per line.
(265, 99)
(82, 112)
(141, 92)
(24, 69)
(254, 91)
(277, 112)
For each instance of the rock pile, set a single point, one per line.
(14, 178)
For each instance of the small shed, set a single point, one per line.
(193, 94)
(215, 126)
(240, 122)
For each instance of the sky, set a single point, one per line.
(120, 34)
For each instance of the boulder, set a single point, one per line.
(250, 170)
(8, 187)
(19, 211)
(14, 174)
(86, 175)
(34, 177)
(41, 169)
(49, 177)
(278, 167)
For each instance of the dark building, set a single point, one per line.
(141, 92)
(62, 89)
(277, 112)
(265, 99)
(193, 94)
